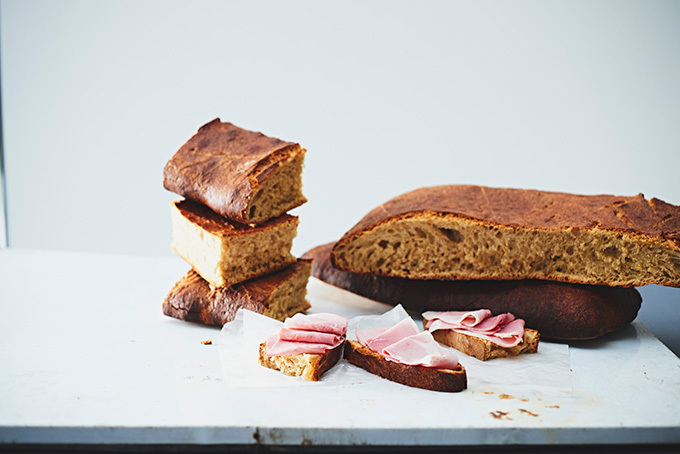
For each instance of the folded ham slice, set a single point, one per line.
(421, 350)
(504, 329)
(378, 338)
(313, 337)
(312, 334)
(402, 343)
(279, 347)
(324, 323)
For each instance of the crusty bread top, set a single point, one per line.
(535, 209)
(215, 224)
(222, 165)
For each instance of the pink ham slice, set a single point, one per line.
(402, 343)
(278, 347)
(421, 350)
(324, 323)
(504, 329)
(314, 334)
(313, 337)
(469, 318)
(378, 338)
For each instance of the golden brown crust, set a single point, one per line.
(484, 349)
(444, 380)
(557, 310)
(305, 365)
(193, 299)
(504, 234)
(222, 165)
(215, 224)
(535, 209)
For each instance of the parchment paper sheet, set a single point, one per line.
(545, 373)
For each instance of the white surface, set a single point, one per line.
(87, 357)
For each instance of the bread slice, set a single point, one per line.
(558, 310)
(484, 349)
(476, 232)
(305, 365)
(242, 175)
(277, 295)
(417, 376)
(224, 252)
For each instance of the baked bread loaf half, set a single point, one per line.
(310, 366)
(445, 380)
(243, 175)
(479, 334)
(558, 310)
(476, 232)
(277, 295)
(224, 252)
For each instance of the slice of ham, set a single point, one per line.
(278, 347)
(378, 338)
(324, 323)
(504, 329)
(313, 334)
(469, 318)
(402, 343)
(313, 337)
(421, 350)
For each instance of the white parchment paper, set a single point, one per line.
(546, 373)
(239, 341)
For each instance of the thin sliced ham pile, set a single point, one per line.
(402, 343)
(313, 334)
(504, 329)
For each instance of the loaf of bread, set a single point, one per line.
(310, 366)
(484, 349)
(243, 175)
(277, 295)
(224, 252)
(475, 232)
(558, 310)
(446, 380)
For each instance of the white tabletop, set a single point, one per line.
(86, 356)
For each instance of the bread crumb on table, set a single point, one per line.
(206, 342)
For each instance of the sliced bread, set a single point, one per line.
(484, 349)
(277, 295)
(224, 252)
(444, 380)
(240, 174)
(309, 366)
(476, 232)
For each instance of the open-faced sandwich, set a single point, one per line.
(402, 354)
(480, 334)
(306, 346)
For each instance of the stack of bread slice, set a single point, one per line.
(233, 225)
(567, 264)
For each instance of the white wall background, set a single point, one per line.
(387, 96)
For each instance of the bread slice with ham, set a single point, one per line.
(400, 353)
(480, 334)
(306, 346)
(310, 366)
